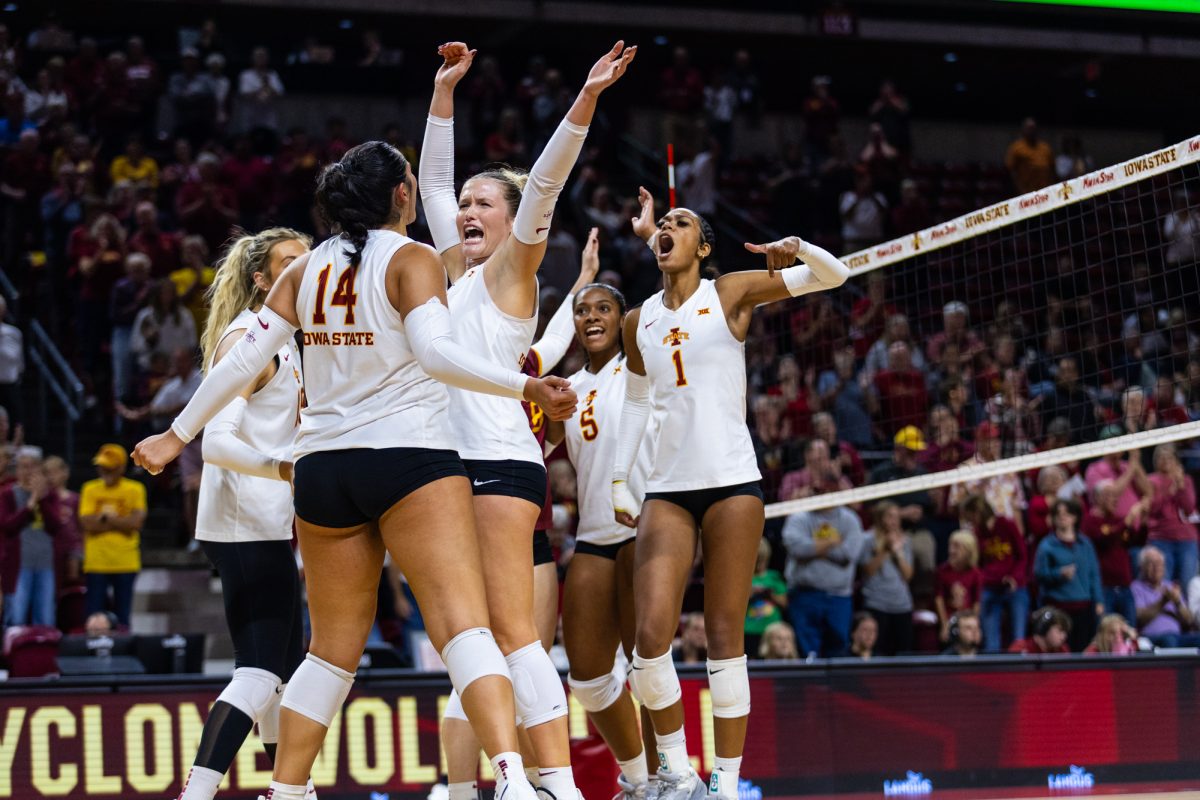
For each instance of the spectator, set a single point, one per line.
(768, 598)
(882, 161)
(778, 643)
(864, 633)
(849, 461)
(97, 256)
(820, 474)
(1030, 161)
(14, 123)
(1168, 524)
(163, 326)
(801, 397)
(746, 84)
(958, 588)
(601, 212)
(1073, 161)
(161, 247)
(1051, 628)
(193, 278)
(1113, 536)
(206, 206)
(85, 71)
(895, 330)
(817, 330)
(1134, 490)
(112, 509)
(252, 179)
(1181, 230)
(63, 208)
(823, 549)
(506, 143)
(259, 90)
(1069, 399)
(145, 84)
(1114, 637)
(912, 214)
(693, 644)
(720, 106)
(1068, 574)
(134, 165)
(1010, 409)
(48, 103)
(194, 98)
(30, 520)
(697, 178)
(100, 624)
(870, 314)
(681, 93)
(489, 95)
(1004, 492)
(180, 170)
(68, 544)
(840, 390)
(12, 364)
(887, 567)
(1162, 614)
(900, 391)
(1167, 403)
(128, 295)
(774, 445)
(890, 112)
(375, 54)
(955, 331)
(214, 65)
(965, 635)
(821, 117)
(913, 506)
(1050, 482)
(1003, 560)
(864, 213)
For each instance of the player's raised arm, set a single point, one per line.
(436, 169)
(819, 270)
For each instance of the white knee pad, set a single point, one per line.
(252, 691)
(318, 690)
(471, 655)
(654, 681)
(268, 723)
(454, 708)
(537, 688)
(729, 686)
(599, 693)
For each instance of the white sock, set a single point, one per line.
(672, 752)
(508, 768)
(559, 781)
(724, 782)
(635, 770)
(531, 774)
(284, 791)
(466, 790)
(201, 784)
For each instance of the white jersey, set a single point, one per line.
(364, 387)
(235, 507)
(697, 372)
(490, 428)
(591, 437)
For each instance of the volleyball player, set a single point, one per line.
(375, 464)
(492, 247)
(244, 519)
(598, 607)
(685, 356)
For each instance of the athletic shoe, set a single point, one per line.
(630, 791)
(519, 788)
(685, 786)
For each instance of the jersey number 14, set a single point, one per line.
(343, 294)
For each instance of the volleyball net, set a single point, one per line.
(1049, 328)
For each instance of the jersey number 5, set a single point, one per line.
(343, 294)
(680, 378)
(587, 425)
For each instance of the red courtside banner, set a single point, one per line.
(941, 728)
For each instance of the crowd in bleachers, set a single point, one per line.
(124, 171)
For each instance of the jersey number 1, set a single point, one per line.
(680, 378)
(343, 294)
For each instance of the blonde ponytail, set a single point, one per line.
(233, 290)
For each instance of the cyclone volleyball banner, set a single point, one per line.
(952, 729)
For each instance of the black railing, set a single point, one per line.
(55, 379)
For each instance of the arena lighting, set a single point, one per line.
(1176, 6)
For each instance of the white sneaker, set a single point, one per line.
(518, 788)
(630, 791)
(684, 786)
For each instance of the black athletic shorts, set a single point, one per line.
(345, 488)
(509, 478)
(699, 501)
(543, 553)
(608, 551)
(262, 603)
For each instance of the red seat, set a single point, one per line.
(32, 651)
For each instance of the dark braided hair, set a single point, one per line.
(707, 235)
(617, 297)
(354, 195)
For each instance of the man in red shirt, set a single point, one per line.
(160, 247)
(900, 388)
(1050, 630)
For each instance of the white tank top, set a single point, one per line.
(365, 388)
(234, 507)
(490, 428)
(591, 437)
(697, 372)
